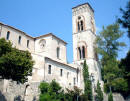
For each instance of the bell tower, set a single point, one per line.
(83, 33)
(84, 36)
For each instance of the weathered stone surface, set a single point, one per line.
(26, 92)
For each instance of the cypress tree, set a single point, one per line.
(110, 97)
(87, 83)
(99, 96)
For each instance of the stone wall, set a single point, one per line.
(116, 97)
(19, 92)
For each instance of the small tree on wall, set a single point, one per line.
(14, 64)
(87, 83)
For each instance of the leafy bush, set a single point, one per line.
(14, 64)
(53, 92)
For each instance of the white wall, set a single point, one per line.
(14, 37)
(50, 49)
(55, 74)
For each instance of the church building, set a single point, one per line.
(50, 54)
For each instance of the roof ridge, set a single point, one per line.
(30, 35)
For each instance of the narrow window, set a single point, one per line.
(83, 52)
(67, 75)
(78, 27)
(58, 52)
(61, 72)
(27, 43)
(82, 27)
(19, 41)
(79, 52)
(49, 69)
(74, 81)
(77, 74)
(8, 35)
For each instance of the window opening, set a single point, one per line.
(81, 25)
(67, 74)
(8, 35)
(58, 52)
(83, 52)
(79, 52)
(61, 72)
(19, 41)
(49, 69)
(74, 80)
(27, 43)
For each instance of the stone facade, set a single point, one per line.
(49, 53)
(84, 36)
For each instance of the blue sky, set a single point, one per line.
(37, 17)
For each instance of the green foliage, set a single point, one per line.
(125, 67)
(108, 47)
(83, 98)
(5, 47)
(125, 20)
(99, 96)
(87, 83)
(110, 97)
(14, 64)
(44, 87)
(108, 43)
(73, 95)
(51, 92)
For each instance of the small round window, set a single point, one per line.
(42, 43)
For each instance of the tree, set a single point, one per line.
(108, 47)
(5, 46)
(125, 67)
(73, 95)
(108, 43)
(87, 83)
(125, 20)
(14, 64)
(99, 96)
(110, 97)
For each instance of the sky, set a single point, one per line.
(38, 17)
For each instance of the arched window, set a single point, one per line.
(80, 24)
(83, 52)
(58, 52)
(8, 35)
(79, 50)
